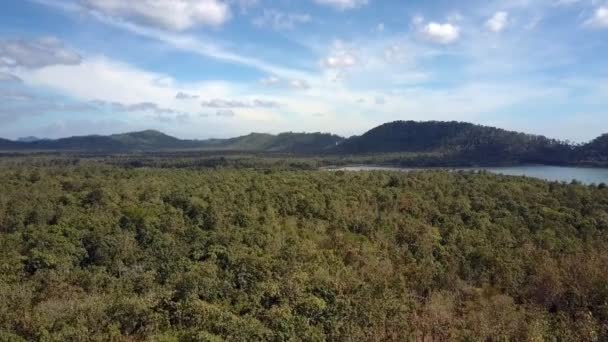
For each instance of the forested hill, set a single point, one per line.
(472, 141)
(145, 140)
(595, 152)
(151, 140)
(284, 142)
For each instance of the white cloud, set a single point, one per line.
(36, 53)
(417, 20)
(341, 56)
(185, 96)
(134, 107)
(279, 21)
(203, 47)
(566, 2)
(599, 18)
(180, 41)
(271, 81)
(228, 113)
(440, 33)
(339, 61)
(498, 22)
(342, 4)
(225, 103)
(396, 53)
(176, 15)
(299, 84)
(274, 81)
(112, 81)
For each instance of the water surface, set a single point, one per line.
(550, 173)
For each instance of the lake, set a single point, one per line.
(550, 173)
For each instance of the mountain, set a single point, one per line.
(7, 145)
(136, 141)
(457, 140)
(284, 142)
(151, 140)
(29, 139)
(594, 152)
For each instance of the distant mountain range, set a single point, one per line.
(456, 142)
(30, 139)
(150, 140)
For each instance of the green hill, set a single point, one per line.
(595, 152)
(458, 140)
(284, 142)
(151, 140)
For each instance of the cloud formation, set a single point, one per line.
(599, 18)
(135, 107)
(342, 4)
(498, 22)
(175, 15)
(281, 21)
(440, 33)
(275, 81)
(35, 54)
(225, 103)
(341, 56)
(184, 96)
(227, 113)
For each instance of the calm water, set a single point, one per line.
(550, 173)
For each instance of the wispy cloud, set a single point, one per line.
(599, 18)
(343, 4)
(176, 15)
(185, 96)
(226, 103)
(281, 21)
(36, 53)
(184, 42)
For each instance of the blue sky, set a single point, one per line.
(221, 68)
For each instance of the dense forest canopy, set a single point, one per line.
(412, 136)
(95, 252)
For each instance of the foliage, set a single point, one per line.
(151, 140)
(460, 141)
(94, 252)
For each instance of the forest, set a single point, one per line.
(120, 249)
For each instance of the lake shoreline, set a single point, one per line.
(586, 175)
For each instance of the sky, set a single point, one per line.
(222, 68)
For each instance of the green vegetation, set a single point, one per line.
(156, 141)
(284, 142)
(98, 252)
(461, 143)
(405, 143)
(595, 152)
